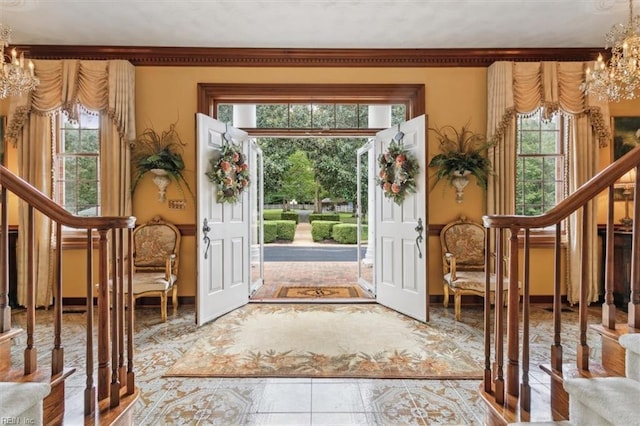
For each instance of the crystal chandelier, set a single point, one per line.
(15, 79)
(619, 79)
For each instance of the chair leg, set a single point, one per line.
(174, 297)
(457, 301)
(163, 306)
(445, 301)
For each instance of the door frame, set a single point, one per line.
(210, 95)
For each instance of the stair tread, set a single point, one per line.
(621, 328)
(104, 415)
(571, 370)
(10, 334)
(40, 375)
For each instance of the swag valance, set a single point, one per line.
(68, 85)
(524, 87)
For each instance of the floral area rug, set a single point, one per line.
(325, 340)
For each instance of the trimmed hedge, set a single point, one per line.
(290, 216)
(324, 216)
(270, 231)
(272, 215)
(286, 229)
(321, 229)
(347, 233)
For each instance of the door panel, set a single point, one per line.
(366, 183)
(401, 260)
(257, 214)
(223, 235)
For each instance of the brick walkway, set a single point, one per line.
(277, 274)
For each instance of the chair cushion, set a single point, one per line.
(150, 281)
(473, 280)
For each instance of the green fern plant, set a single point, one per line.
(152, 150)
(461, 151)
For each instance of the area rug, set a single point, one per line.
(317, 292)
(325, 340)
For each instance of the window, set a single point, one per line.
(540, 163)
(77, 164)
(312, 115)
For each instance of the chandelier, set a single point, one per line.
(619, 79)
(15, 79)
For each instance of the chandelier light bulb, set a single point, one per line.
(15, 79)
(618, 78)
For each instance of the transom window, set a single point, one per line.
(77, 164)
(324, 116)
(541, 167)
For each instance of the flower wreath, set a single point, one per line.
(398, 172)
(230, 173)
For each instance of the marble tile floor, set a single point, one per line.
(299, 401)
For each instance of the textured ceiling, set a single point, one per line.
(315, 23)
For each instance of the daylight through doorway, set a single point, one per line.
(316, 265)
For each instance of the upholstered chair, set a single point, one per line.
(463, 247)
(156, 246)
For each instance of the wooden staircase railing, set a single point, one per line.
(116, 389)
(506, 387)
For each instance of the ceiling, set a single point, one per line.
(314, 23)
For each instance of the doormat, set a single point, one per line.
(317, 292)
(332, 341)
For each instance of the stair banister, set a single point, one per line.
(115, 379)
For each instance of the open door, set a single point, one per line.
(366, 183)
(400, 231)
(257, 216)
(223, 232)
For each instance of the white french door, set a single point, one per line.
(256, 196)
(365, 166)
(223, 235)
(400, 231)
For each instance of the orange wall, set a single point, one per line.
(454, 96)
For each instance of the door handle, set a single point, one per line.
(206, 239)
(419, 238)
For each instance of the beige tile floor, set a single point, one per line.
(300, 401)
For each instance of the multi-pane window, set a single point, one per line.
(312, 116)
(540, 163)
(77, 164)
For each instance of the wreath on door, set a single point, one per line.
(398, 172)
(230, 173)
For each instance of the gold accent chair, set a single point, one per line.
(463, 244)
(156, 246)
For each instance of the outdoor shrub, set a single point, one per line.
(270, 231)
(286, 229)
(290, 216)
(324, 216)
(348, 219)
(272, 215)
(321, 229)
(347, 233)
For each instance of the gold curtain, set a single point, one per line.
(523, 88)
(67, 86)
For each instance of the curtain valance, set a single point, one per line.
(524, 87)
(104, 86)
